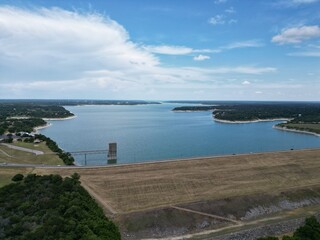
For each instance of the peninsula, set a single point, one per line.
(300, 116)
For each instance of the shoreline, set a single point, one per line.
(252, 121)
(59, 119)
(295, 130)
(189, 111)
(36, 129)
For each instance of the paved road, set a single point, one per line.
(36, 152)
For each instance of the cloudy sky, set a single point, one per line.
(160, 50)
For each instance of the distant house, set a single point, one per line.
(37, 141)
(25, 134)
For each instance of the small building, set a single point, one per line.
(36, 141)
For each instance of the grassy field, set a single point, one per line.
(139, 187)
(9, 155)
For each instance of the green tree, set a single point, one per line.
(17, 178)
(310, 231)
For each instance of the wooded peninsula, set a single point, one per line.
(302, 116)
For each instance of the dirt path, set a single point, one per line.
(237, 229)
(208, 215)
(36, 152)
(99, 199)
(6, 154)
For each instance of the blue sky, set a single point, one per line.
(160, 50)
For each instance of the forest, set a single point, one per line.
(25, 116)
(75, 102)
(30, 109)
(194, 108)
(20, 125)
(299, 112)
(51, 208)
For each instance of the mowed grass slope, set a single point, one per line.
(10, 155)
(144, 186)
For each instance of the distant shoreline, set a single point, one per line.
(209, 110)
(59, 119)
(295, 130)
(36, 129)
(252, 121)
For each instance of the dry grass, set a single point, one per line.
(144, 186)
(7, 173)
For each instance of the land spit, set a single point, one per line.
(211, 195)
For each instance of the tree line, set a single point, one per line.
(309, 231)
(53, 146)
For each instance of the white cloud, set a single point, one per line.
(293, 3)
(230, 10)
(299, 2)
(305, 54)
(169, 50)
(59, 44)
(220, 1)
(246, 82)
(232, 21)
(241, 70)
(183, 50)
(175, 50)
(297, 34)
(243, 44)
(217, 20)
(201, 57)
(221, 19)
(56, 53)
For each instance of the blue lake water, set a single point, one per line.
(154, 132)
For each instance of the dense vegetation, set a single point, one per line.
(300, 112)
(22, 109)
(20, 125)
(194, 108)
(246, 111)
(310, 231)
(304, 116)
(65, 102)
(24, 117)
(52, 208)
(65, 156)
(306, 127)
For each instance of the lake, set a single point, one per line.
(154, 132)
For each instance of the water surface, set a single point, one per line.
(154, 132)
